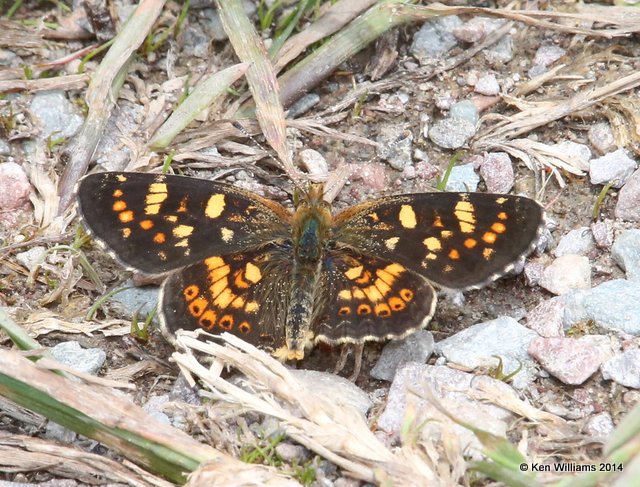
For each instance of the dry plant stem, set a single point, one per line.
(26, 454)
(329, 427)
(336, 17)
(70, 82)
(102, 94)
(261, 78)
(356, 36)
(202, 96)
(101, 414)
(529, 119)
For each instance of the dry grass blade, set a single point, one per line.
(102, 93)
(69, 82)
(261, 78)
(542, 114)
(26, 454)
(107, 417)
(202, 96)
(349, 41)
(338, 433)
(332, 20)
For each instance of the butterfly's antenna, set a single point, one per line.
(272, 155)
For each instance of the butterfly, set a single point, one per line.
(286, 279)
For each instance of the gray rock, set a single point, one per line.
(578, 241)
(334, 386)
(86, 360)
(5, 148)
(547, 319)
(32, 257)
(59, 433)
(497, 171)
(465, 110)
(602, 232)
(395, 146)
(154, 406)
(292, 453)
(435, 38)
(451, 133)
(601, 138)
(624, 368)
(571, 360)
(56, 114)
(501, 52)
(580, 154)
(413, 383)
(613, 305)
(140, 300)
(487, 85)
(533, 273)
(547, 55)
(616, 167)
(477, 346)
(463, 178)
(416, 347)
(626, 253)
(476, 29)
(628, 205)
(599, 425)
(567, 273)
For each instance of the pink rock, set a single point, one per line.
(14, 186)
(628, 205)
(497, 172)
(547, 318)
(571, 360)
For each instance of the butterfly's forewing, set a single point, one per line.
(368, 298)
(457, 240)
(157, 223)
(244, 293)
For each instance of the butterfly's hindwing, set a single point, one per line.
(367, 298)
(156, 223)
(456, 240)
(242, 293)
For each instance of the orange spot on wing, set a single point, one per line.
(219, 286)
(365, 278)
(454, 254)
(197, 306)
(119, 205)
(239, 282)
(208, 319)
(191, 292)
(502, 215)
(159, 238)
(146, 224)
(382, 309)
(498, 227)
(344, 311)
(244, 327)
(470, 243)
(226, 322)
(364, 309)
(406, 294)
(117, 193)
(396, 303)
(126, 216)
(489, 237)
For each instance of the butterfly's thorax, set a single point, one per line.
(310, 231)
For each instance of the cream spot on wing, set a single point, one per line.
(252, 273)
(227, 234)
(432, 244)
(354, 272)
(391, 242)
(407, 217)
(215, 206)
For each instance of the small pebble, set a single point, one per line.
(497, 172)
(487, 85)
(628, 205)
(315, 164)
(602, 232)
(435, 38)
(616, 167)
(599, 426)
(571, 360)
(601, 138)
(547, 319)
(416, 347)
(462, 178)
(547, 55)
(578, 241)
(567, 273)
(624, 368)
(626, 253)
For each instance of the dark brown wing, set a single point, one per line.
(457, 240)
(156, 223)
